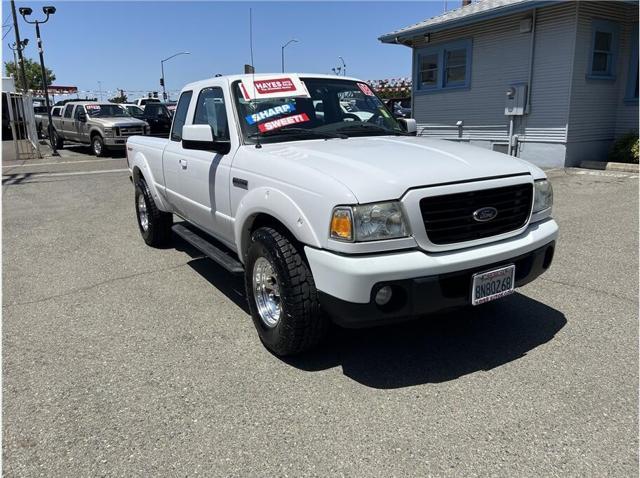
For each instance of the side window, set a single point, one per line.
(68, 110)
(79, 110)
(56, 112)
(181, 115)
(632, 75)
(211, 110)
(604, 46)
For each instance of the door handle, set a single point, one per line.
(183, 163)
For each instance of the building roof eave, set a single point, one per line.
(403, 35)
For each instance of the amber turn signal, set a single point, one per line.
(342, 224)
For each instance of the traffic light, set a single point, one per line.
(161, 81)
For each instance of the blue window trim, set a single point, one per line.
(632, 73)
(608, 27)
(441, 49)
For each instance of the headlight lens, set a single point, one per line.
(369, 222)
(543, 196)
(108, 131)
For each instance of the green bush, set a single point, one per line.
(625, 149)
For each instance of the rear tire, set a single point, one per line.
(282, 295)
(154, 224)
(97, 146)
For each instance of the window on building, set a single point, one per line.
(444, 66)
(632, 80)
(604, 46)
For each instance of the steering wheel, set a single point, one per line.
(350, 116)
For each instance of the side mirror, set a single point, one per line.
(200, 137)
(409, 125)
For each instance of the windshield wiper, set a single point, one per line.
(370, 127)
(308, 132)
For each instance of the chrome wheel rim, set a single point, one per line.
(143, 217)
(266, 292)
(97, 146)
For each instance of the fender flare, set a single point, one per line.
(274, 203)
(140, 167)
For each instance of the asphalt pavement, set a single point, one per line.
(122, 360)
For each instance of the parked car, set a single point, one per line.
(156, 115)
(102, 125)
(400, 107)
(333, 217)
(171, 106)
(133, 110)
(42, 119)
(142, 102)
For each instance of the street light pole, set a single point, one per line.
(162, 82)
(25, 86)
(344, 66)
(293, 40)
(48, 10)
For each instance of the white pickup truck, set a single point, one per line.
(331, 216)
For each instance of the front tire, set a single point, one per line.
(56, 139)
(154, 224)
(97, 146)
(281, 293)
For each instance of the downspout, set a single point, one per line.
(532, 47)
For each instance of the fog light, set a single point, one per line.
(383, 296)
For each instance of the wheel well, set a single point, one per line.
(137, 174)
(94, 133)
(263, 220)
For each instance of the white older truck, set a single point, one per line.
(331, 216)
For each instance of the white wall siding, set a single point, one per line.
(500, 57)
(595, 103)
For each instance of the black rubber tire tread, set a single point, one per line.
(303, 324)
(103, 150)
(158, 234)
(57, 139)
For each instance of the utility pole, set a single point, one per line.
(25, 86)
(100, 89)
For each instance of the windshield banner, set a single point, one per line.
(276, 87)
(281, 122)
(276, 110)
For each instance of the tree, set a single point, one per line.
(33, 73)
(119, 99)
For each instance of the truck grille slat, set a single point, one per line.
(449, 218)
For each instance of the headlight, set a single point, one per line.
(543, 196)
(369, 222)
(108, 131)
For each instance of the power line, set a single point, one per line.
(8, 31)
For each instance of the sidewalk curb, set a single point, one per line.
(609, 166)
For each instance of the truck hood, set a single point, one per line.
(377, 168)
(111, 122)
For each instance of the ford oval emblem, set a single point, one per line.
(485, 214)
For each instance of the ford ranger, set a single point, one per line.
(336, 216)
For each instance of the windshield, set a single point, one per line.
(101, 111)
(336, 108)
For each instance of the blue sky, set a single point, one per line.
(121, 43)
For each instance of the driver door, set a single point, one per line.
(80, 129)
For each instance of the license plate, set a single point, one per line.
(492, 285)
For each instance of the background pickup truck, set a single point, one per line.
(337, 216)
(102, 125)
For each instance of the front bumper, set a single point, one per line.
(429, 294)
(115, 142)
(426, 282)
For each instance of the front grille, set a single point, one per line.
(449, 219)
(130, 130)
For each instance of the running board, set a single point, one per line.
(216, 254)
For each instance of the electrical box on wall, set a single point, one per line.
(516, 97)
